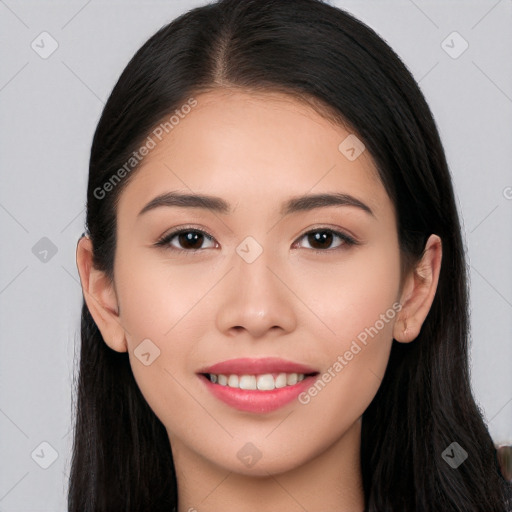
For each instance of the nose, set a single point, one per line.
(256, 299)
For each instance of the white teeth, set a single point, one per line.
(281, 380)
(291, 379)
(264, 382)
(233, 381)
(247, 382)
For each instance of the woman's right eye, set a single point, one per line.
(187, 240)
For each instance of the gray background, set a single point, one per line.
(49, 110)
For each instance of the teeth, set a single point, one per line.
(233, 381)
(246, 382)
(264, 382)
(281, 380)
(291, 379)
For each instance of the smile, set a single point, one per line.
(257, 385)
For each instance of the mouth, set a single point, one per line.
(257, 385)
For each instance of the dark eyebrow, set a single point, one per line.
(217, 204)
(309, 202)
(187, 201)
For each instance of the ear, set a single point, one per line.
(100, 297)
(418, 292)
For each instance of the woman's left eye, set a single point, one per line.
(323, 237)
(190, 240)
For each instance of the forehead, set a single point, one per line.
(257, 147)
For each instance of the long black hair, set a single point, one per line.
(121, 457)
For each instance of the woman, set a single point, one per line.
(275, 302)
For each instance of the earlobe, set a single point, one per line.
(100, 297)
(418, 292)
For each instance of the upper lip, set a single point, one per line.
(250, 366)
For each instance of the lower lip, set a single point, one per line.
(250, 400)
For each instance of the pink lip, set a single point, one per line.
(253, 400)
(250, 366)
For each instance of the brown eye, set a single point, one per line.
(185, 240)
(322, 239)
(190, 240)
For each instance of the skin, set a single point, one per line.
(256, 150)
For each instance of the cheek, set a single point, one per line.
(353, 294)
(157, 297)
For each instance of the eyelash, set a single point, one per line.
(165, 241)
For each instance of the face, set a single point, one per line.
(312, 285)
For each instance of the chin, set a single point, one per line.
(250, 461)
